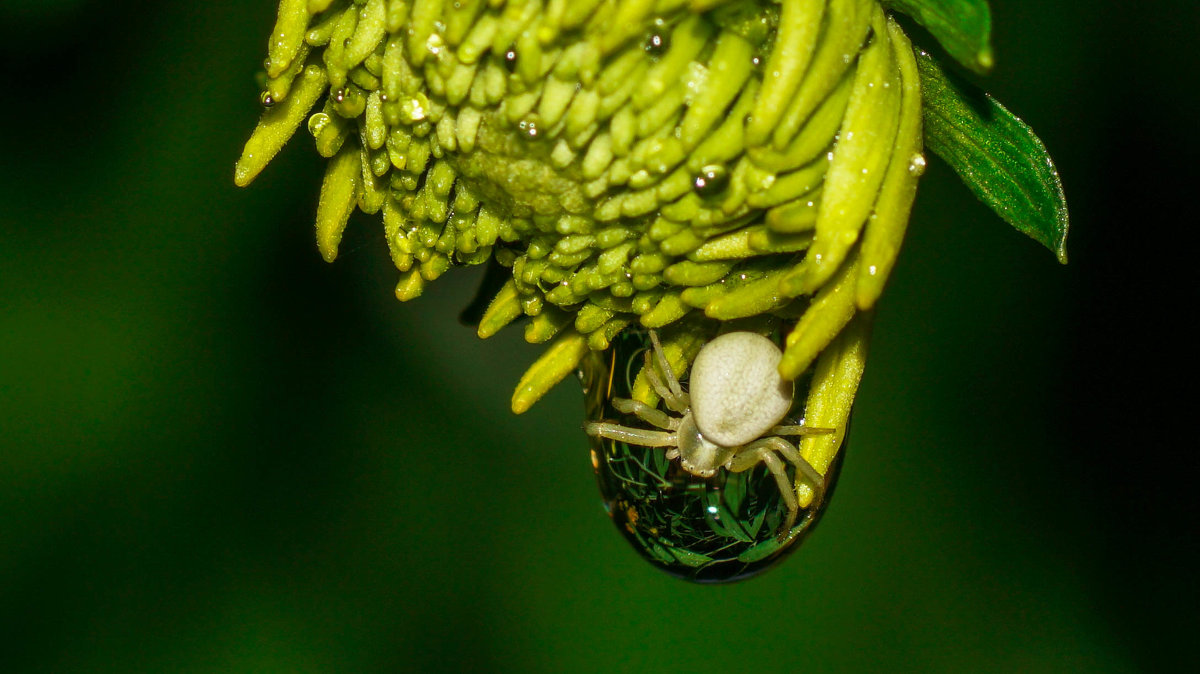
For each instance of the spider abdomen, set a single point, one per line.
(737, 394)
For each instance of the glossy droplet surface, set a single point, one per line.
(656, 44)
(711, 181)
(715, 530)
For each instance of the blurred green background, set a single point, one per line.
(219, 454)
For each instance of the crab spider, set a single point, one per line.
(727, 419)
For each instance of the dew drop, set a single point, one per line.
(529, 127)
(317, 122)
(916, 165)
(656, 44)
(706, 530)
(266, 99)
(510, 59)
(711, 181)
(434, 44)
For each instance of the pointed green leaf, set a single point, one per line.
(963, 27)
(996, 155)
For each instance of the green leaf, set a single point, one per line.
(963, 27)
(997, 155)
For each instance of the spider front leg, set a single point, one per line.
(632, 436)
(667, 385)
(646, 413)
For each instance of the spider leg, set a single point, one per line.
(789, 451)
(660, 387)
(668, 385)
(633, 436)
(646, 413)
(753, 454)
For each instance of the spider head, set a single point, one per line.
(697, 455)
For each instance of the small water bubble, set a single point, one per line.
(340, 95)
(529, 127)
(510, 59)
(413, 109)
(916, 165)
(711, 181)
(434, 44)
(266, 99)
(317, 122)
(656, 44)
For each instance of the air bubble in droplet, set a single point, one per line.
(266, 99)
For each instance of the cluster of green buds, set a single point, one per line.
(662, 163)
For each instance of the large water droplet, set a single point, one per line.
(715, 530)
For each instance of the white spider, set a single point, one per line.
(728, 417)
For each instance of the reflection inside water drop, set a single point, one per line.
(715, 530)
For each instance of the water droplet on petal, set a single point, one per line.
(510, 59)
(706, 530)
(529, 127)
(711, 181)
(656, 44)
(916, 165)
(317, 122)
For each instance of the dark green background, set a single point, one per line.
(219, 454)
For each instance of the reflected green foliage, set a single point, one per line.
(220, 454)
